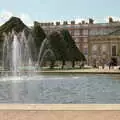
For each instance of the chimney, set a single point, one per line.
(65, 23)
(110, 20)
(91, 21)
(73, 22)
(36, 23)
(83, 22)
(52, 23)
(57, 23)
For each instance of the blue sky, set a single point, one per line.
(53, 10)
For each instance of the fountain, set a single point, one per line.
(45, 50)
(17, 53)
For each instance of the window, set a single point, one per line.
(114, 50)
(85, 39)
(77, 33)
(85, 32)
(94, 48)
(86, 51)
(72, 32)
(104, 48)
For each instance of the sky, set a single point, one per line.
(59, 10)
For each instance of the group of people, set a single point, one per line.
(111, 63)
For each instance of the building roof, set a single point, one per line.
(116, 32)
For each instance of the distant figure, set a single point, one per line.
(110, 64)
(81, 65)
(94, 63)
(102, 63)
(119, 68)
(103, 66)
(97, 63)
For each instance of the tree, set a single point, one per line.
(39, 35)
(58, 45)
(15, 24)
(73, 52)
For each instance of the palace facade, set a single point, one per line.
(97, 41)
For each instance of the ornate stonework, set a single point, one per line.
(103, 46)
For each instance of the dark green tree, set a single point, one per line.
(15, 24)
(58, 46)
(73, 52)
(39, 35)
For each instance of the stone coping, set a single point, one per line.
(59, 107)
(77, 71)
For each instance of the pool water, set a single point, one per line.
(61, 89)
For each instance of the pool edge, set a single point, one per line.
(59, 107)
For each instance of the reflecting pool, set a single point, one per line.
(61, 89)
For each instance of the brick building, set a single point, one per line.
(91, 37)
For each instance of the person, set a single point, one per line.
(110, 63)
(81, 64)
(97, 63)
(94, 63)
(102, 63)
(119, 68)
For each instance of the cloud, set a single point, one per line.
(5, 15)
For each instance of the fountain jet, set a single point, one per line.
(17, 56)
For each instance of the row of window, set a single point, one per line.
(104, 49)
(100, 31)
(95, 31)
(85, 39)
(85, 50)
(78, 32)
